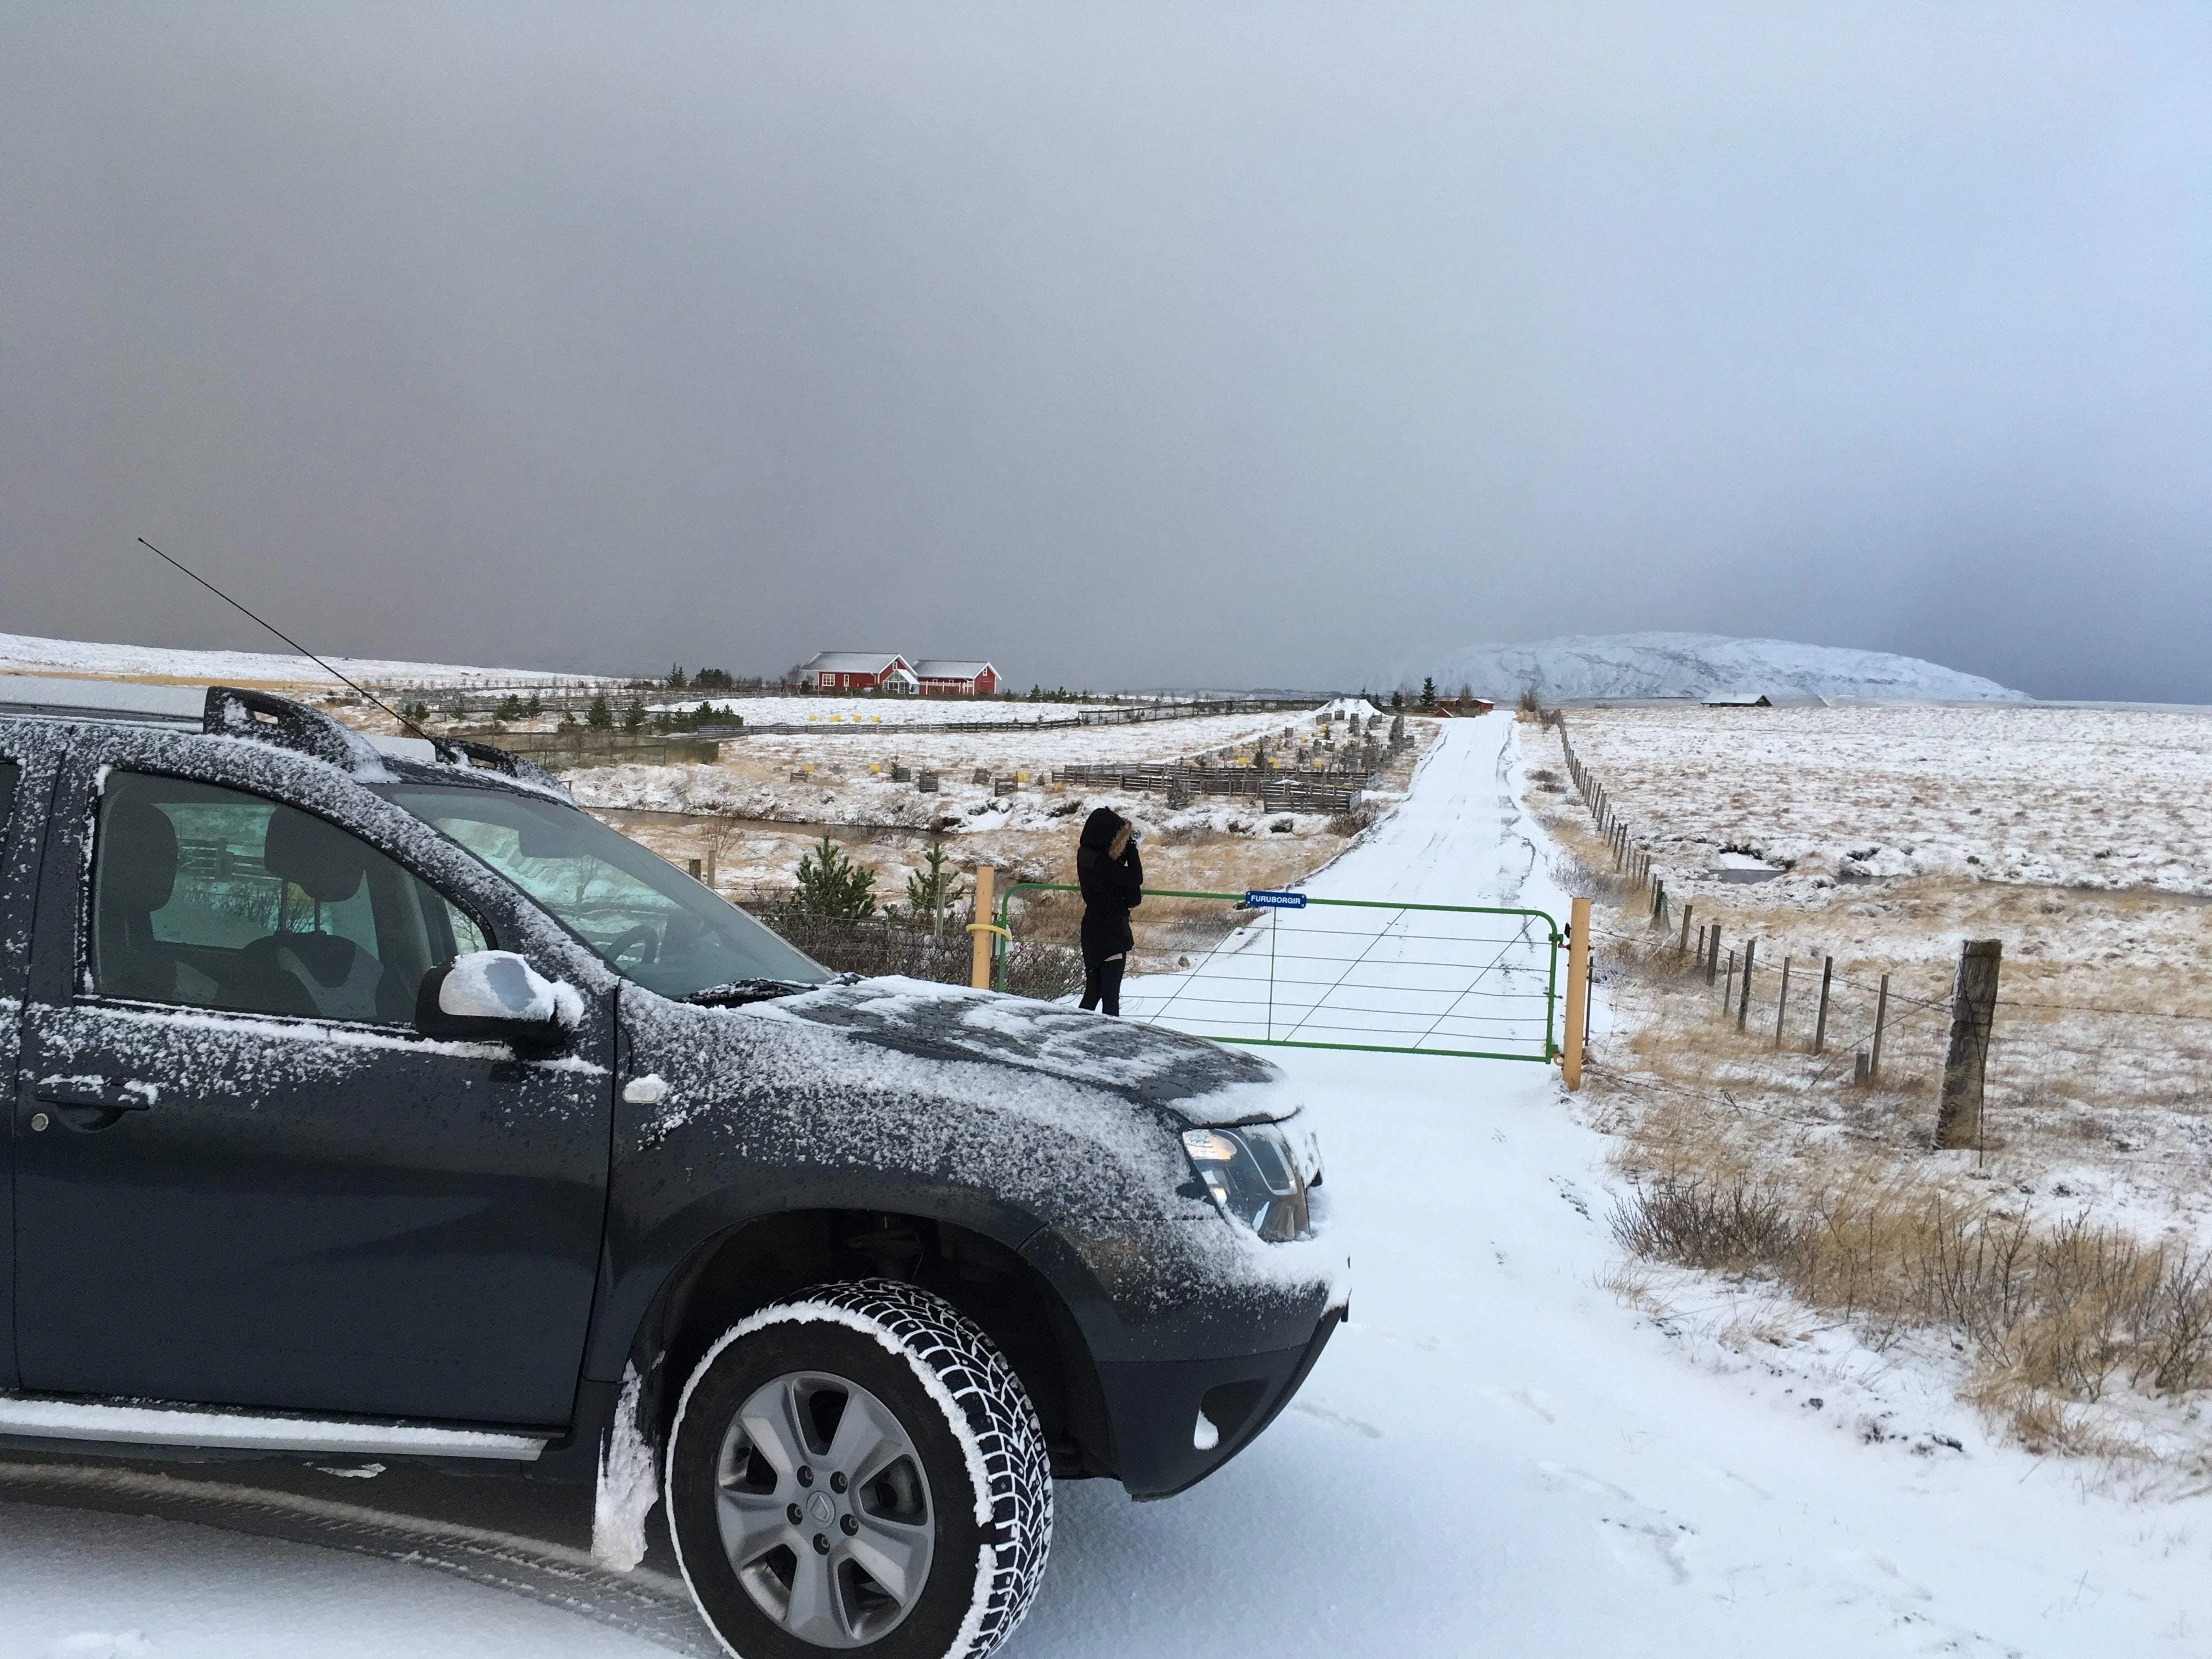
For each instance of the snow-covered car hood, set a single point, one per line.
(1201, 1082)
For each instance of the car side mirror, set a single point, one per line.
(496, 996)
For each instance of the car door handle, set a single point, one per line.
(96, 1098)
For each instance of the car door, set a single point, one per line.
(242, 1176)
(26, 775)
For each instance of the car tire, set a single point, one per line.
(859, 1469)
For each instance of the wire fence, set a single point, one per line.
(2080, 1066)
(1863, 1047)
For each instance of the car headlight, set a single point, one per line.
(1253, 1177)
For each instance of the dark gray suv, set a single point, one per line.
(373, 1100)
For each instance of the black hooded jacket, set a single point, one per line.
(1111, 887)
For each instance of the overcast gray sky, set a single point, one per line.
(1123, 344)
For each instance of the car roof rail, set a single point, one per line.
(233, 712)
(459, 751)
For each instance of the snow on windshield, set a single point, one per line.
(643, 917)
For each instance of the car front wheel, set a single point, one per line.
(859, 1468)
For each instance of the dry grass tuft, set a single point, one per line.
(2052, 1313)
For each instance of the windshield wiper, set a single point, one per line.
(738, 991)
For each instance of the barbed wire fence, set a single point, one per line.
(1825, 1033)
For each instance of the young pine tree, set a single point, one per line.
(932, 890)
(600, 716)
(1428, 691)
(634, 716)
(831, 884)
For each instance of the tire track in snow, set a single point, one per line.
(648, 1604)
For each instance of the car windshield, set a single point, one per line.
(647, 920)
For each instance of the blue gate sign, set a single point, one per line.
(1260, 899)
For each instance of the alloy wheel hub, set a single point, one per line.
(824, 1510)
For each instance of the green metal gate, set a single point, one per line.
(1283, 970)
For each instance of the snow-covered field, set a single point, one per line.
(1496, 1455)
(849, 778)
(2080, 839)
(2091, 798)
(27, 654)
(847, 781)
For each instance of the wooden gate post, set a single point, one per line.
(1571, 1044)
(979, 930)
(1974, 1013)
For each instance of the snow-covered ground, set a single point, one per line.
(1659, 665)
(755, 778)
(28, 653)
(2063, 796)
(1496, 1455)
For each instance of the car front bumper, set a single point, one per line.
(1162, 1409)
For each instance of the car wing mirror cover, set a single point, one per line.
(497, 994)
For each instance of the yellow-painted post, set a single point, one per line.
(1578, 932)
(979, 931)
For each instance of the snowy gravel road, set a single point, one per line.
(1495, 1456)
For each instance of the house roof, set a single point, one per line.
(948, 668)
(853, 662)
(1739, 700)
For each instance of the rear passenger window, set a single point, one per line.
(219, 899)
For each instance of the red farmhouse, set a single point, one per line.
(858, 671)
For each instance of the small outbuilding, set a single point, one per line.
(946, 676)
(1739, 700)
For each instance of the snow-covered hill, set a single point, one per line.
(1692, 665)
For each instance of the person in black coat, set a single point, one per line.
(1112, 881)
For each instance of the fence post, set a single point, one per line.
(979, 931)
(1820, 1025)
(1743, 997)
(1570, 1047)
(1713, 956)
(1682, 950)
(1728, 985)
(1974, 1013)
(1880, 1018)
(1782, 1002)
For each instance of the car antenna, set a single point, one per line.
(289, 640)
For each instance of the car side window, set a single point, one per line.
(9, 773)
(215, 898)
